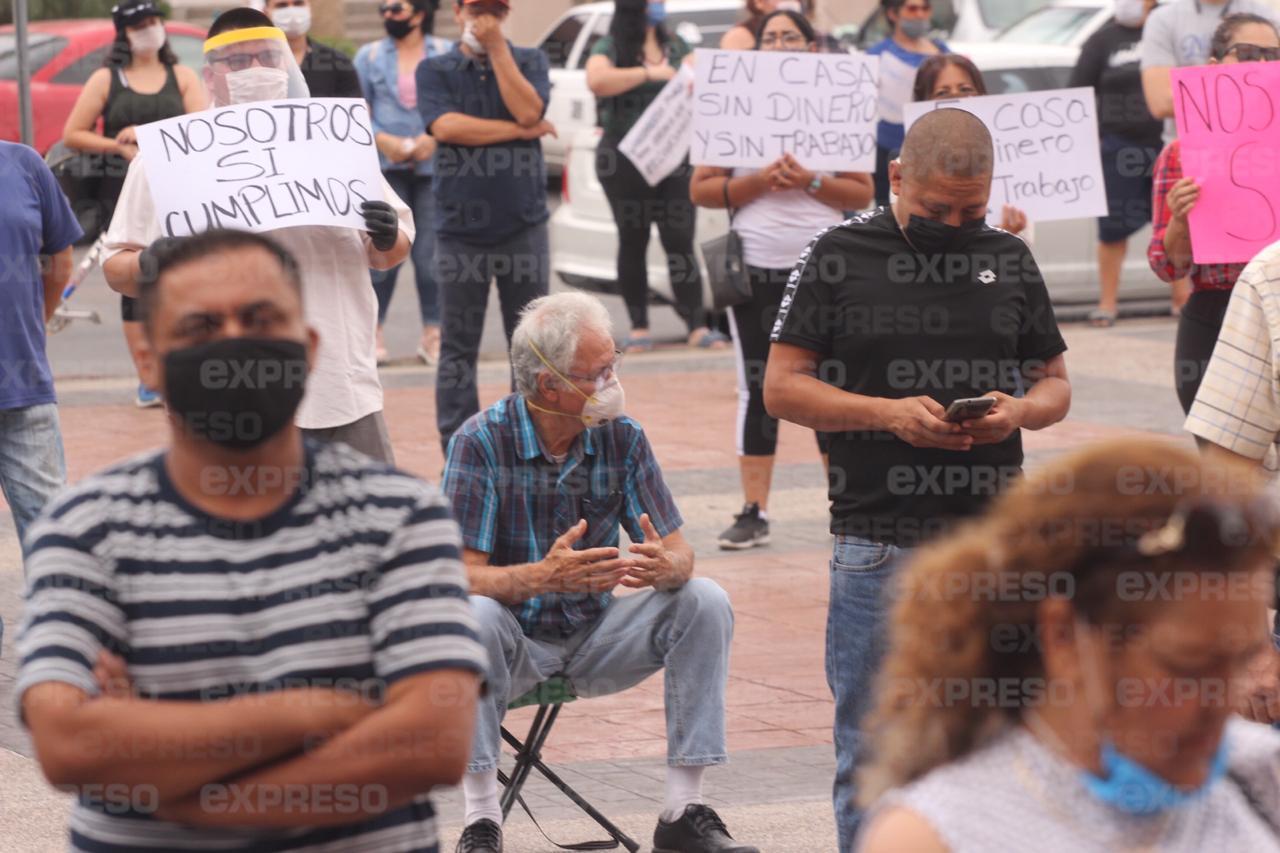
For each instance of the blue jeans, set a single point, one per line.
(861, 572)
(415, 191)
(522, 267)
(32, 467)
(686, 633)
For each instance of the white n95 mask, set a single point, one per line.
(257, 83)
(607, 404)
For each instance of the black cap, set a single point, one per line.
(130, 12)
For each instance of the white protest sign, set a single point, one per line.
(659, 141)
(750, 107)
(1048, 161)
(262, 166)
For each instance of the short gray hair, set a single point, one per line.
(555, 325)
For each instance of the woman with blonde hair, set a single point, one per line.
(1064, 671)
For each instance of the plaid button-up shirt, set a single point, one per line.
(1168, 172)
(1238, 404)
(512, 502)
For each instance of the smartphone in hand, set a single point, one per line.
(969, 409)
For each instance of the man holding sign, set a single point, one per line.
(247, 61)
(890, 324)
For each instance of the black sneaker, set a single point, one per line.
(748, 530)
(699, 830)
(483, 836)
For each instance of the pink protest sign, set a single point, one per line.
(1229, 126)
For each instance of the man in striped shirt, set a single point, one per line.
(541, 484)
(246, 641)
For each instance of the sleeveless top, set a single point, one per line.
(125, 107)
(1016, 793)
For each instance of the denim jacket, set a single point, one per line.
(376, 63)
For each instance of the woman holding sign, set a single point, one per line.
(628, 69)
(1239, 38)
(140, 82)
(778, 209)
(949, 76)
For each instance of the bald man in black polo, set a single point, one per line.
(887, 320)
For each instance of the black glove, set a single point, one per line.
(381, 222)
(150, 257)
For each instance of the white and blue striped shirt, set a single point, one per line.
(356, 583)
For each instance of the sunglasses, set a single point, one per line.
(391, 8)
(1254, 53)
(241, 61)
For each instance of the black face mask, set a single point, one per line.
(930, 237)
(236, 392)
(397, 29)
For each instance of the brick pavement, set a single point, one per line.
(780, 710)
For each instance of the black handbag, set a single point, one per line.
(726, 266)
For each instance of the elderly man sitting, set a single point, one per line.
(540, 483)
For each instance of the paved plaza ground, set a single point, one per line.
(776, 791)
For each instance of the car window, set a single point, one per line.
(998, 14)
(41, 48)
(1054, 25)
(79, 72)
(558, 45)
(699, 29)
(189, 50)
(1011, 81)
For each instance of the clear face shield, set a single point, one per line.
(255, 64)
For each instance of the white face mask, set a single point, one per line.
(607, 403)
(148, 40)
(292, 20)
(470, 40)
(257, 83)
(1129, 13)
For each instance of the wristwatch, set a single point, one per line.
(815, 186)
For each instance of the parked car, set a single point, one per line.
(568, 43)
(1065, 22)
(63, 54)
(585, 242)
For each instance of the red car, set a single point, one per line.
(62, 55)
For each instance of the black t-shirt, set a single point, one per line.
(1109, 63)
(888, 322)
(329, 73)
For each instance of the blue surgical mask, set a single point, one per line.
(1126, 784)
(1132, 788)
(656, 13)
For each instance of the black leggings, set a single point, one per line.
(1198, 327)
(636, 207)
(752, 325)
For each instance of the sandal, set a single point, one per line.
(636, 345)
(1100, 319)
(711, 339)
